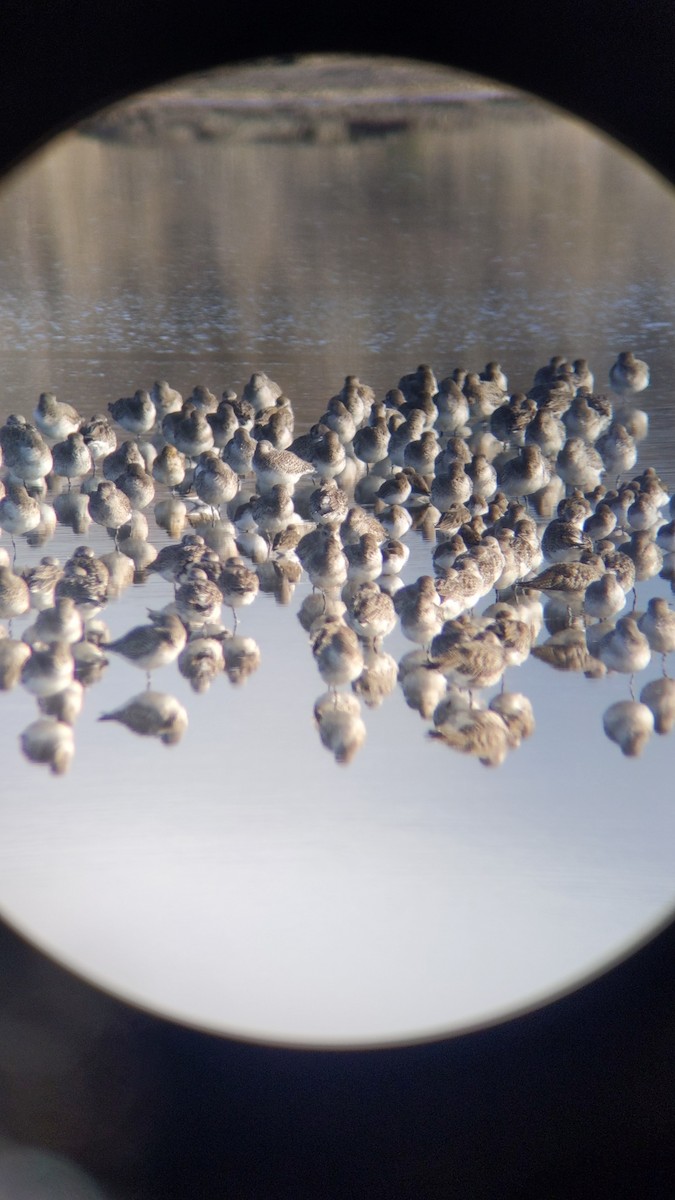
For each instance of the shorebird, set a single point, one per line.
(525, 474)
(239, 451)
(72, 458)
(665, 537)
(224, 424)
(119, 459)
(188, 430)
(582, 375)
(203, 398)
(109, 506)
(357, 522)
(198, 598)
(338, 418)
(588, 416)
(26, 454)
(370, 443)
(173, 560)
(239, 585)
(277, 425)
(99, 437)
(628, 375)
(510, 420)
(169, 467)
(55, 419)
(452, 408)
(566, 582)
(152, 714)
(546, 431)
(564, 541)
(328, 504)
(396, 520)
(642, 512)
(137, 414)
(370, 613)
(274, 511)
(85, 578)
(483, 476)
(492, 373)
(421, 453)
(395, 555)
(409, 431)
(419, 610)
(514, 632)
(579, 464)
(261, 391)
(604, 597)
(476, 661)
(646, 555)
(277, 466)
(450, 487)
(601, 523)
(19, 512)
(364, 558)
(549, 372)
(41, 580)
(152, 646)
(327, 455)
(322, 555)
(137, 486)
(617, 449)
(337, 652)
(14, 594)
(165, 398)
(214, 481)
(484, 396)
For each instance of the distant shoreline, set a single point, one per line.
(313, 98)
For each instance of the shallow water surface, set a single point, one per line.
(242, 880)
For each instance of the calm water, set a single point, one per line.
(242, 880)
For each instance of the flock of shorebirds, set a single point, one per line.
(530, 500)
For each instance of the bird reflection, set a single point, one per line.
(515, 501)
(630, 724)
(152, 714)
(341, 728)
(242, 658)
(50, 742)
(200, 661)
